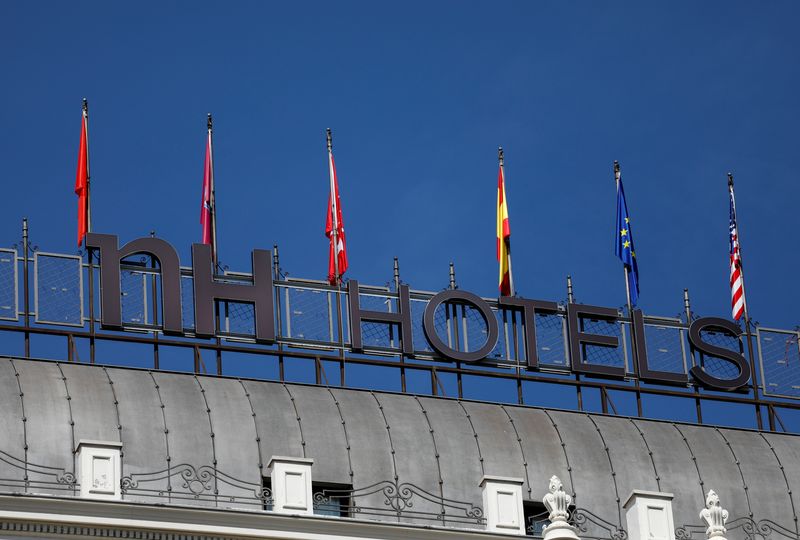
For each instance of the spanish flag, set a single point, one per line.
(503, 234)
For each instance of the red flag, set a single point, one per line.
(334, 229)
(207, 202)
(82, 179)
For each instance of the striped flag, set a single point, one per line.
(737, 281)
(334, 226)
(503, 234)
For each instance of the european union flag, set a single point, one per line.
(623, 244)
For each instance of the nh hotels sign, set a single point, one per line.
(261, 295)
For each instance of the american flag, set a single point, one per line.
(737, 285)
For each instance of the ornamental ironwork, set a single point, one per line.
(37, 476)
(400, 499)
(206, 483)
(764, 529)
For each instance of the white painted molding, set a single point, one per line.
(99, 469)
(557, 502)
(502, 504)
(715, 516)
(649, 516)
(88, 518)
(291, 485)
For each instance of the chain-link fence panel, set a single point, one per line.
(379, 334)
(187, 302)
(665, 348)
(238, 318)
(507, 325)
(134, 297)
(58, 289)
(9, 306)
(779, 351)
(718, 367)
(310, 314)
(417, 313)
(551, 339)
(473, 331)
(605, 356)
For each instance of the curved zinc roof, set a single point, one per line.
(175, 426)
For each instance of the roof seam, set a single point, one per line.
(475, 433)
(521, 450)
(213, 442)
(566, 456)
(166, 436)
(24, 421)
(610, 464)
(786, 480)
(119, 422)
(297, 415)
(255, 426)
(346, 437)
(694, 460)
(71, 419)
(649, 453)
(389, 434)
(436, 454)
(741, 473)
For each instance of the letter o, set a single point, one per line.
(461, 297)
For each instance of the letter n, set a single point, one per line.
(110, 258)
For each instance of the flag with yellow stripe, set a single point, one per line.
(503, 234)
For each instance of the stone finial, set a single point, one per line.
(715, 516)
(557, 503)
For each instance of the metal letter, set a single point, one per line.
(529, 308)
(728, 355)
(110, 259)
(460, 297)
(207, 292)
(357, 315)
(643, 369)
(577, 338)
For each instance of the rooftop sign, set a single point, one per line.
(207, 291)
(451, 341)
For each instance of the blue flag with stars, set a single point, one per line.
(623, 244)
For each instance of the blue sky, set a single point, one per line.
(419, 96)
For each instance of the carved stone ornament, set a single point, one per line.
(715, 516)
(557, 503)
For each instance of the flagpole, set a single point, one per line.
(89, 251)
(624, 266)
(338, 282)
(501, 159)
(88, 175)
(213, 201)
(334, 208)
(747, 328)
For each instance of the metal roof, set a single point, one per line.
(173, 426)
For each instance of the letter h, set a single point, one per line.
(402, 319)
(207, 291)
